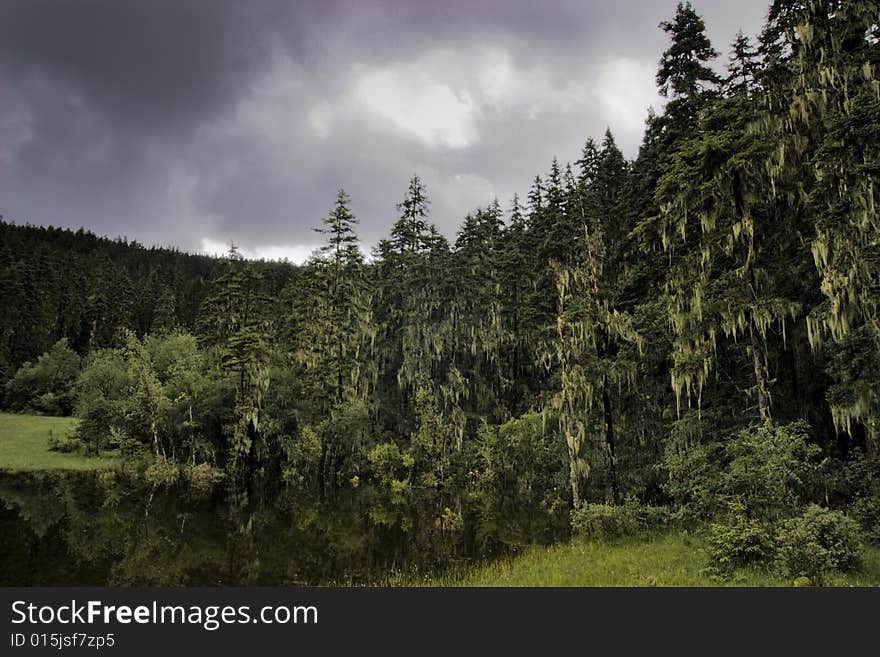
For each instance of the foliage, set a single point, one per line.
(769, 470)
(392, 470)
(738, 542)
(819, 542)
(102, 395)
(46, 386)
(610, 521)
(65, 444)
(697, 327)
(517, 482)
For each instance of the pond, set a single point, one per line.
(106, 529)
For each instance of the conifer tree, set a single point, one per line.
(334, 321)
(411, 309)
(515, 286)
(236, 326)
(833, 130)
(743, 67)
(685, 76)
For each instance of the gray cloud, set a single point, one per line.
(191, 123)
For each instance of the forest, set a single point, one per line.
(690, 338)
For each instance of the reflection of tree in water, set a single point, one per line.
(111, 529)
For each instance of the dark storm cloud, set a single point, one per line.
(194, 122)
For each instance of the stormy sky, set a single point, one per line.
(192, 123)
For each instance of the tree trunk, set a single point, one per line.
(192, 437)
(609, 440)
(339, 367)
(760, 367)
(573, 477)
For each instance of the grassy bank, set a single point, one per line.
(671, 560)
(24, 445)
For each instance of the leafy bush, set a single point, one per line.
(818, 542)
(102, 398)
(203, 477)
(694, 480)
(855, 485)
(771, 470)
(65, 444)
(518, 483)
(46, 386)
(302, 455)
(740, 542)
(866, 511)
(162, 473)
(604, 521)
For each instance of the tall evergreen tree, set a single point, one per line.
(235, 325)
(743, 67)
(334, 321)
(685, 76)
(833, 127)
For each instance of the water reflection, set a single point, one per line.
(81, 529)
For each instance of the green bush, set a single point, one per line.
(740, 542)
(818, 542)
(162, 473)
(45, 387)
(866, 511)
(771, 470)
(694, 481)
(203, 477)
(518, 483)
(65, 444)
(605, 521)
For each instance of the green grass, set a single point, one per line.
(670, 560)
(24, 445)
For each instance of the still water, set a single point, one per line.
(97, 529)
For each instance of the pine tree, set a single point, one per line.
(743, 67)
(832, 132)
(477, 329)
(514, 287)
(593, 348)
(729, 246)
(684, 75)
(334, 321)
(412, 268)
(164, 313)
(236, 326)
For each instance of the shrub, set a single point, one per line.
(517, 482)
(46, 386)
(162, 473)
(65, 444)
(605, 521)
(772, 470)
(203, 477)
(818, 542)
(866, 511)
(694, 480)
(738, 543)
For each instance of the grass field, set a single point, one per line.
(24, 445)
(672, 560)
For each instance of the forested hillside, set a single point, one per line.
(698, 328)
(58, 283)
